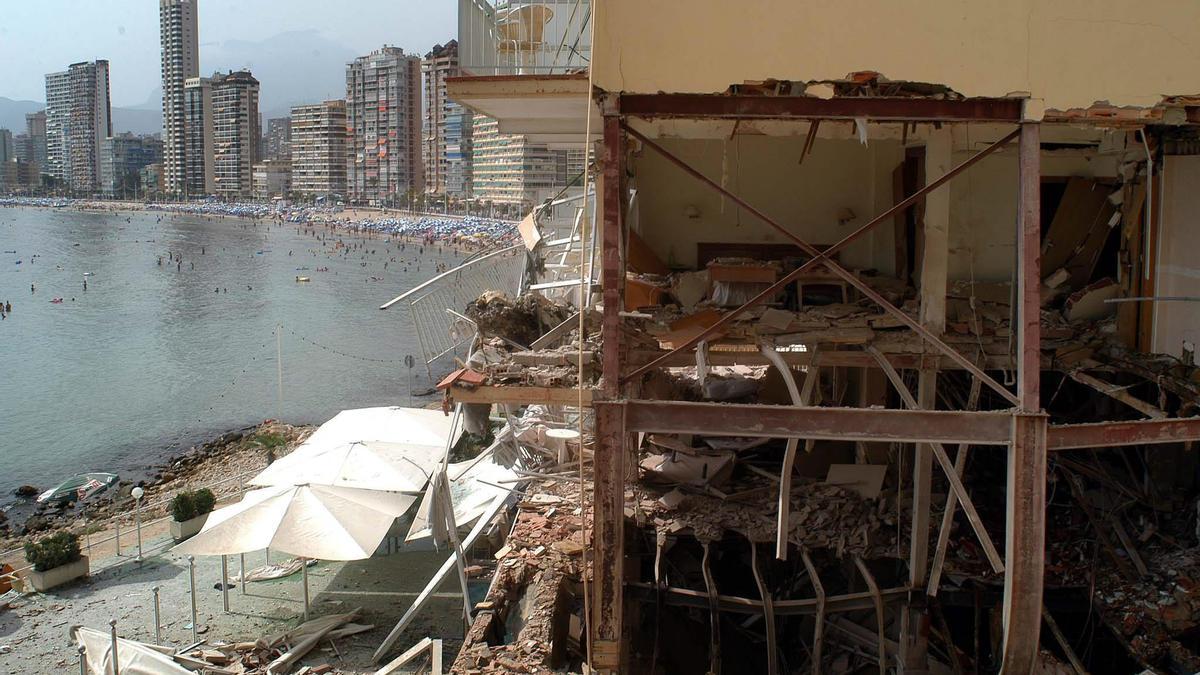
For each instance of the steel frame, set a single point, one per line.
(1023, 431)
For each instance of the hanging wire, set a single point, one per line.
(339, 352)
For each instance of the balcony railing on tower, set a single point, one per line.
(538, 37)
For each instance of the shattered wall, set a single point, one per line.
(1068, 53)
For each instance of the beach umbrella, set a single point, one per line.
(311, 521)
(393, 424)
(366, 465)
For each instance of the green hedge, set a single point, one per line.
(192, 504)
(53, 551)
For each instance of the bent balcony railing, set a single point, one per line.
(439, 332)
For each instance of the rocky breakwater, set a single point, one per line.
(222, 464)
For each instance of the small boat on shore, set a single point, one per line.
(78, 488)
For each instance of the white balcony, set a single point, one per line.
(539, 37)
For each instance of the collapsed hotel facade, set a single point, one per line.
(880, 369)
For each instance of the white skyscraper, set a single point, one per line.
(78, 119)
(180, 37)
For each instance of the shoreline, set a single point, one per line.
(223, 463)
(474, 234)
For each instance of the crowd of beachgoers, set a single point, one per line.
(460, 230)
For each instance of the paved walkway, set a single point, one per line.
(33, 633)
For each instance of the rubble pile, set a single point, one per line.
(821, 517)
(522, 321)
(528, 603)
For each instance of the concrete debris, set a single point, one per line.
(522, 321)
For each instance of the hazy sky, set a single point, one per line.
(43, 36)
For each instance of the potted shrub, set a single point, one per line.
(56, 560)
(189, 511)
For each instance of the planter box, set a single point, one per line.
(44, 581)
(188, 528)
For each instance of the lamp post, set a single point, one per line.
(137, 493)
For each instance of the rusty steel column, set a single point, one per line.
(1025, 537)
(608, 519)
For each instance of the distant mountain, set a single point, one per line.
(138, 121)
(293, 68)
(12, 113)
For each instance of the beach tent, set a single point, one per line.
(366, 465)
(409, 426)
(311, 521)
(391, 448)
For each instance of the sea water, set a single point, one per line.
(152, 358)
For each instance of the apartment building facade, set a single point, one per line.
(180, 42)
(78, 119)
(35, 133)
(446, 127)
(272, 179)
(318, 149)
(58, 113)
(509, 169)
(236, 132)
(198, 137)
(122, 159)
(383, 121)
(278, 137)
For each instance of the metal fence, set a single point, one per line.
(439, 332)
(129, 522)
(524, 38)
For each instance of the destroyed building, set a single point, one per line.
(886, 370)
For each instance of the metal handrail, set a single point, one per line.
(450, 272)
(119, 516)
(90, 544)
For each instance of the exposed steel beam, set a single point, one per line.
(605, 627)
(716, 106)
(843, 424)
(1025, 532)
(1116, 434)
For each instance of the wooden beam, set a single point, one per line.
(943, 542)
(1118, 393)
(934, 264)
(512, 394)
(834, 424)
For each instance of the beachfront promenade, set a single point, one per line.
(120, 588)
